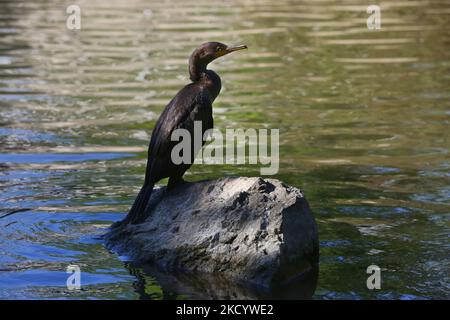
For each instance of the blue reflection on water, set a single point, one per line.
(29, 135)
(39, 277)
(36, 248)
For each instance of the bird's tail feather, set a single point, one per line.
(137, 211)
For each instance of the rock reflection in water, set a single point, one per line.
(155, 284)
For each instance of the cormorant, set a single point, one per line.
(192, 103)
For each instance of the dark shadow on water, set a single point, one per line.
(154, 284)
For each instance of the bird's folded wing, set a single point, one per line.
(177, 116)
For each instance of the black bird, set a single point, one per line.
(192, 103)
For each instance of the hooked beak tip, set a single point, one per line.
(236, 48)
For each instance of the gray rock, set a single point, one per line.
(250, 230)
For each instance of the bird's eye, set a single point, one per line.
(218, 48)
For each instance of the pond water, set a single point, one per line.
(363, 118)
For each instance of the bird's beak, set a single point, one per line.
(235, 48)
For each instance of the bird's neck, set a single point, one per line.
(211, 82)
(196, 69)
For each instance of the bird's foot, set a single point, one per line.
(173, 183)
(119, 224)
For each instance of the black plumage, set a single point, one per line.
(192, 103)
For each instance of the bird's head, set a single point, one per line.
(207, 53)
(210, 51)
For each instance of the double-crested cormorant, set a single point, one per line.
(192, 103)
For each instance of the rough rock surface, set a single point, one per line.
(252, 230)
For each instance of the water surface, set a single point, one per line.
(363, 118)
